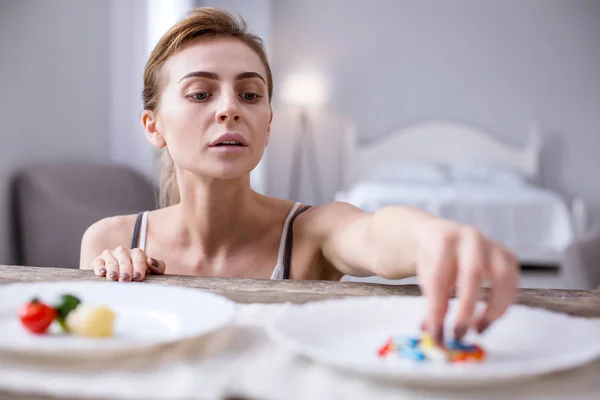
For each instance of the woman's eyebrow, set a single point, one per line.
(201, 74)
(214, 76)
(250, 75)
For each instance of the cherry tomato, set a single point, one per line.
(37, 316)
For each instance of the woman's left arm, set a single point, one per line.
(396, 242)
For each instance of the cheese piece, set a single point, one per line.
(91, 321)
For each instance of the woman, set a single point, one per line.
(207, 93)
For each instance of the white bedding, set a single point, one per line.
(526, 219)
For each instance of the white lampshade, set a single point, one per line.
(304, 90)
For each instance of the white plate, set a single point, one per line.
(347, 332)
(146, 314)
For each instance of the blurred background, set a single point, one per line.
(514, 81)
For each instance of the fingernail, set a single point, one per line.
(112, 275)
(423, 326)
(438, 335)
(102, 271)
(155, 263)
(125, 276)
(137, 275)
(459, 332)
(483, 325)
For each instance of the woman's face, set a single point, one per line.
(214, 114)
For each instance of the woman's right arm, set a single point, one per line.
(105, 249)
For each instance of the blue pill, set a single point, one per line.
(411, 353)
(406, 341)
(456, 345)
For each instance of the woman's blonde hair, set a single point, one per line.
(200, 23)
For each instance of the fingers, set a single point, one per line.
(438, 285)
(464, 257)
(138, 259)
(111, 265)
(504, 276)
(98, 266)
(156, 266)
(472, 263)
(125, 264)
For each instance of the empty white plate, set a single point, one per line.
(146, 314)
(347, 332)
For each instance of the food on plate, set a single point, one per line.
(91, 321)
(36, 316)
(73, 316)
(423, 349)
(64, 305)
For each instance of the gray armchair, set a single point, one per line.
(581, 263)
(55, 204)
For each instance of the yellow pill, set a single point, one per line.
(427, 341)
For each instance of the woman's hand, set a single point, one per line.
(452, 255)
(126, 265)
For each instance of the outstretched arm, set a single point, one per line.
(396, 242)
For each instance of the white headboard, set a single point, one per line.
(443, 142)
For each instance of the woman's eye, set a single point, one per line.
(200, 96)
(250, 96)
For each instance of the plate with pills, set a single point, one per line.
(382, 336)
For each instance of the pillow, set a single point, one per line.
(485, 173)
(413, 173)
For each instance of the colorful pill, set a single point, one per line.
(386, 348)
(456, 345)
(425, 349)
(411, 353)
(406, 341)
(435, 354)
(459, 357)
(478, 354)
(427, 341)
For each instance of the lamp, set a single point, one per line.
(304, 91)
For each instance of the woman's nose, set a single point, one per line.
(224, 117)
(228, 109)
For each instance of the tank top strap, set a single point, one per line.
(140, 229)
(287, 257)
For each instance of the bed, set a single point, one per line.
(460, 172)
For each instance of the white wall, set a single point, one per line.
(128, 52)
(135, 28)
(256, 13)
(54, 88)
(498, 64)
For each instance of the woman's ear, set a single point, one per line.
(268, 135)
(152, 133)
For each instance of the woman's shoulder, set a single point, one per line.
(308, 214)
(110, 226)
(318, 220)
(107, 233)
